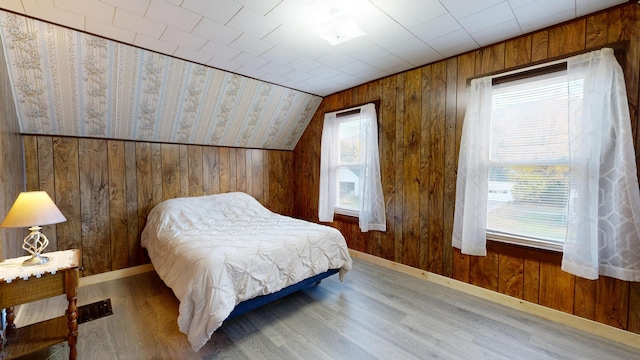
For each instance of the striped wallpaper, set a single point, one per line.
(66, 82)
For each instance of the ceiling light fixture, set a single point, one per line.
(339, 28)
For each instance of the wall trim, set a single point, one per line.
(589, 326)
(114, 275)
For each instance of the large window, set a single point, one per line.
(549, 161)
(350, 182)
(528, 161)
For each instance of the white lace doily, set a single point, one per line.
(12, 269)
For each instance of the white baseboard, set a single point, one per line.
(113, 275)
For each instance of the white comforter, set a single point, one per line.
(215, 251)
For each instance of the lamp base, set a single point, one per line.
(35, 260)
(34, 244)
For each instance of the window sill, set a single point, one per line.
(525, 242)
(519, 250)
(346, 217)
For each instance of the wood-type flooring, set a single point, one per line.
(375, 313)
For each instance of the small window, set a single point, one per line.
(529, 161)
(348, 166)
(350, 181)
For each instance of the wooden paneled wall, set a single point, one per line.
(420, 121)
(11, 163)
(106, 188)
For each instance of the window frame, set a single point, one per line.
(511, 238)
(534, 69)
(347, 113)
(344, 117)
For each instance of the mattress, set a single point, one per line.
(216, 251)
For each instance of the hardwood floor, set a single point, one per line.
(376, 313)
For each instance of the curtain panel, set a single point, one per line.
(472, 184)
(371, 211)
(603, 235)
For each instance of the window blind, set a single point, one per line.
(528, 158)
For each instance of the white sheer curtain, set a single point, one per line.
(328, 195)
(371, 210)
(472, 186)
(603, 236)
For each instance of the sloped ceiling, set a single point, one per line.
(276, 40)
(67, 82)
(268, 40)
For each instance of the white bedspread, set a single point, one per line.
(215, 251)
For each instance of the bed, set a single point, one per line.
(224, 254)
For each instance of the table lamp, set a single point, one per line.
(33, 209)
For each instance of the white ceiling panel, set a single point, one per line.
(415, 52)
(110, 31)
(251, 72)
(264, 38)
(220, 11)
(543, 13)
(454, 43)
(280, 55)
(53, 14)
(487, 18)
(185, 39)
(463, 8)
(285, 37)
(223, 64)
(411, 13)
(295, 14)
(200, 57)
(585, 7)
(304, 65)
(495, 33)
(370, 53)
(390, 62)
(175, 16)
(217, 32)
(13, 5)
(251, 45)
(346, 79)
(138, 24)
(335, 60)
(137, 7)
(362, 70)
(353, 46)
(250, 61)
(519, 3)
(92, 9)
(213, 48)
(276, 69)
(146, 42)
(325, 72)
(261, 6)
(252, 23)
(297, 76)
(312, 47)
(393, 34)
(436, 27)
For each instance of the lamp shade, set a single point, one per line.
(33, 208)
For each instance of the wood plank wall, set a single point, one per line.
(420, 120)
(106, 188)
(11, 163)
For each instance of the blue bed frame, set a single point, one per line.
(258, 301)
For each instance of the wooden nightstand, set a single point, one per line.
(21, 285)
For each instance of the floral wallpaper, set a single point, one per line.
(66, 82)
